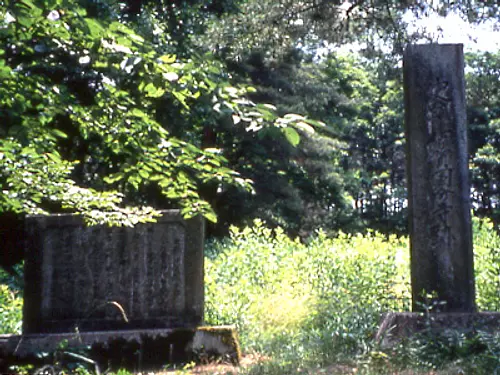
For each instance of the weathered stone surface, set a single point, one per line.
(101, 278)
(438, 182)
(395, 327)
(216, 343)
(136, 350)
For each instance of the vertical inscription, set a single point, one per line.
(153, 274)
(144, 275)
(178, 252)
(134, 272)
(440, 119)
(62, 268)
(85, 286)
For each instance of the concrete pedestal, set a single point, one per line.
(135, 350)
(396, 327)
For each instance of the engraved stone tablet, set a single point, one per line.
(438, 183)
(102, 278)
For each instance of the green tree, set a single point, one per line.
(80, 128)
(371, 120)
(103, 116)
(483, 99)
(298, 186)
(273, 27)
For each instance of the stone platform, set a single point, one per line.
(137, 350)
(396, 327)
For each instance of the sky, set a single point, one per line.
(454, 29)
(449, 29)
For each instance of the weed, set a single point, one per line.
(317, 304)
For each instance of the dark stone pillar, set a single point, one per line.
(438, 181)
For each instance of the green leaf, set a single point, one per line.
(152, 91)
(59, 133)
(25, 21)
(134, 180)
(5, 71)
(319, 124)
(289, 117)
(211, 216)
(136, 112)
(144, 174)
(168, 59)
(292, 136)
(26, 4)
(114, 178)
(54, 157)
(304, 127)
(181, 97)
(82, 12)
(94, 27)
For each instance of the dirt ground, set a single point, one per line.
(253, 359)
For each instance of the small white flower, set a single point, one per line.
(120, 48)
(84, 60)
(53, 15)
(108, 81)
(9, 18)
(157, 30)
(116, 47)
(171, 76)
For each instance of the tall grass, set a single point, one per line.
(319, 303)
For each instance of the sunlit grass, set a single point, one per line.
(318, 304)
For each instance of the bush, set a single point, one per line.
(313, 304)
(11, 304)
(487, 265)
(326, 294)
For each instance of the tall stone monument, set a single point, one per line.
(438, 181)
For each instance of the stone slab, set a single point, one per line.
(104, 278)
(216, 343)
(130, 349)
(396, 327)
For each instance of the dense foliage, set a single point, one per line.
(78, 113)
(483, 98)
(273, 27)
(117, 109)
(319, 303)
(100, 116)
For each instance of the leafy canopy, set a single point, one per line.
(83, 104)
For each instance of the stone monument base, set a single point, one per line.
(135, 350)
(396, 327)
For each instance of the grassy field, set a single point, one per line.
(313, 308)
